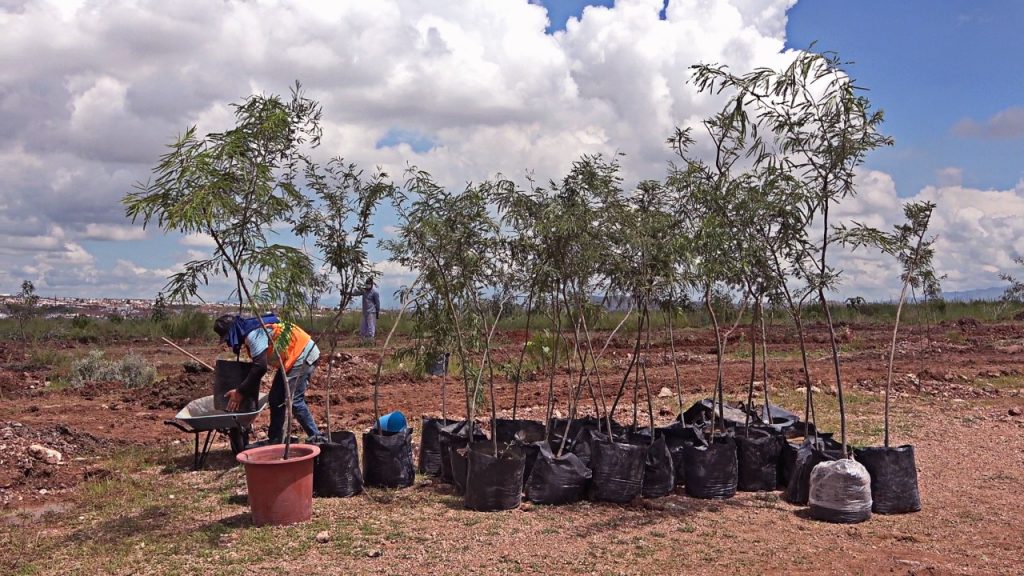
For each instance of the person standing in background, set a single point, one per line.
(371, 312)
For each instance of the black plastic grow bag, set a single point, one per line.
(494, 481)
(776, 417)
(699, 414)
(757, 458)
(522, 434)
(528, 431)
(559, 426)
(893, 478)
(659, 472)
(430, 445)
(787, 458)
(677, 437)
(454, 434)
(711, 471)
(807, 457)
(618, 470)
(387, 459)
(556, 479)
(336, 470)
(532, 451)
(582, 444)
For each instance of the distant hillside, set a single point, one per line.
(989, 294)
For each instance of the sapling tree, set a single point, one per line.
(581, 249)
(450, 239)
(529, 270)
(642, 231)
(26, 307)
(914, 252)
(814, 122)
(770, 218)
(339, 219)
(706, 203)
(1014, 293)
(158, 313)
(235, 186)
(789, 250)
(565, 248)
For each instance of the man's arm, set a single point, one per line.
(376, 303)
(250, 387)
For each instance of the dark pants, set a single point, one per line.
(298, 379)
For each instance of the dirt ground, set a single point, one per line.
(959, 402)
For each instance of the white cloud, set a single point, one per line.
(198, 241)
(103, 88)
(950, 176)
(100, 88)
(1006, 124)
(978, 233)
(114, 232)
(393, 274)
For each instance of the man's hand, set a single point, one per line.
(234, 399)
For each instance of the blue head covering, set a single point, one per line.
(240, 327)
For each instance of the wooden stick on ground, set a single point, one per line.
(189, 354)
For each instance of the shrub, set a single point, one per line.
(189, 324)
(132, 370)
(81, 322)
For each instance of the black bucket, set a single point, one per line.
(893, 478)
(430, 445)
(712, 471)
(757, 457)
(493, 481)
(336, 470)
(556, 479)
(618, 471)
(228, 375)
(387, 459)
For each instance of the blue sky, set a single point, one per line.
(559, 11)
(929, 65)
(467, 89)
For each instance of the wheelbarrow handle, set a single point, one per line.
(178, 425)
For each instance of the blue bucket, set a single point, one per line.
(392, 422)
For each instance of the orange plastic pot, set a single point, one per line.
(280, 491)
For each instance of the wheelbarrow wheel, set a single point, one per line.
(239, 439)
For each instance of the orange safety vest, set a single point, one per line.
(298, 338)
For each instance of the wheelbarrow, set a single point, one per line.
(200, 416)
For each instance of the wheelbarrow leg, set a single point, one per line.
(206, 448)
(195, 452)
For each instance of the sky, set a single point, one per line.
(92, 91)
